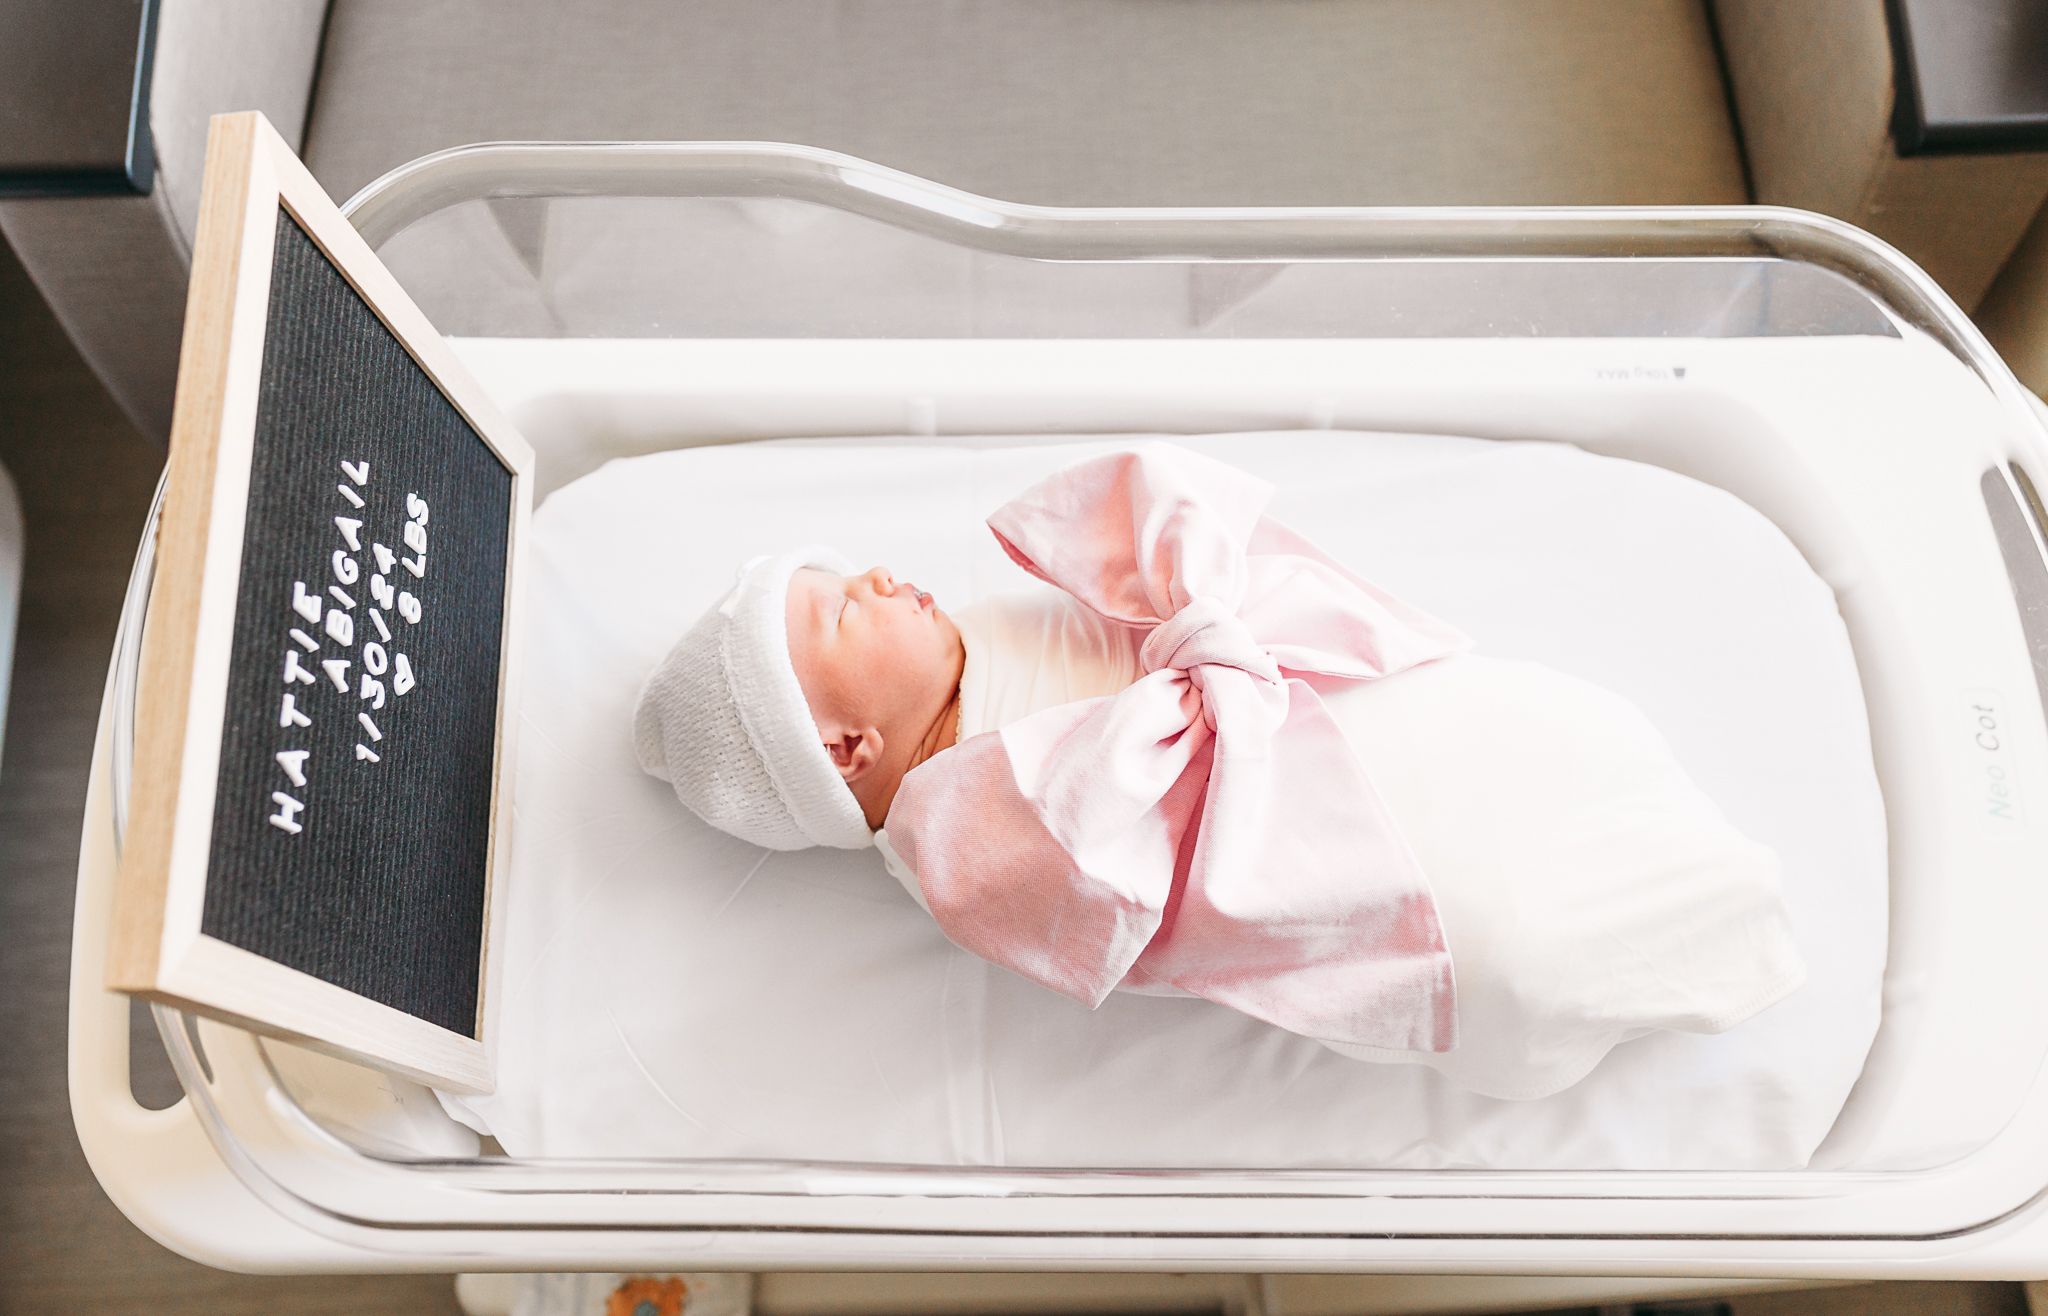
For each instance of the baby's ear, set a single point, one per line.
(855, 753)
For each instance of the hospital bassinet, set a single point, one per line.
(778, 291)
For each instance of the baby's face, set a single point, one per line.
(872, 650)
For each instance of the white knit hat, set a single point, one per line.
(724, 721)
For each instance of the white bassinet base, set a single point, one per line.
(1877, 456)
(676, 993)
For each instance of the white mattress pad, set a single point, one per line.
(669, 991)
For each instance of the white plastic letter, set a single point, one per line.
(350, 494)
(374, 659)
(337, 672)
(416, 508)
(365, 752)
(373, 689)
(416, 536)
(383, 631)
(306, 642)
(292, 670)
(416, 565)
(348, 526)
(306, 605)
(345, 568)
(401, 675)
(357, 471)
(369, 726)
(385, 557)
(408, 607)
(381, 591)
(341, 626)
(293, 761)
(288, 809)
(341, 596)
(290, 716)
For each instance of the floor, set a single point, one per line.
(85, 480)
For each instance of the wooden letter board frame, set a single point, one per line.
(157, 949)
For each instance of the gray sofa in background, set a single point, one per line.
(1812, 83)
(1067, 102)
(113, 268)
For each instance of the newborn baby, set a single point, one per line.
(879, 665)
(1524, 826)
(790, 761)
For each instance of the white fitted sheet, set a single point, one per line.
(670, 991)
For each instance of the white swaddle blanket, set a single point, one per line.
(1590, 892)
(669, 991)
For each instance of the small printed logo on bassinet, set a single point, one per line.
(1638, 374)
(1996, 783)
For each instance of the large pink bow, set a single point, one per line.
(1208, 828)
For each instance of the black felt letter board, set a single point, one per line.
(352, 820)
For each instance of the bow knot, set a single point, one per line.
(1203, 633)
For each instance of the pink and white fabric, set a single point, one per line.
(1208, 829)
